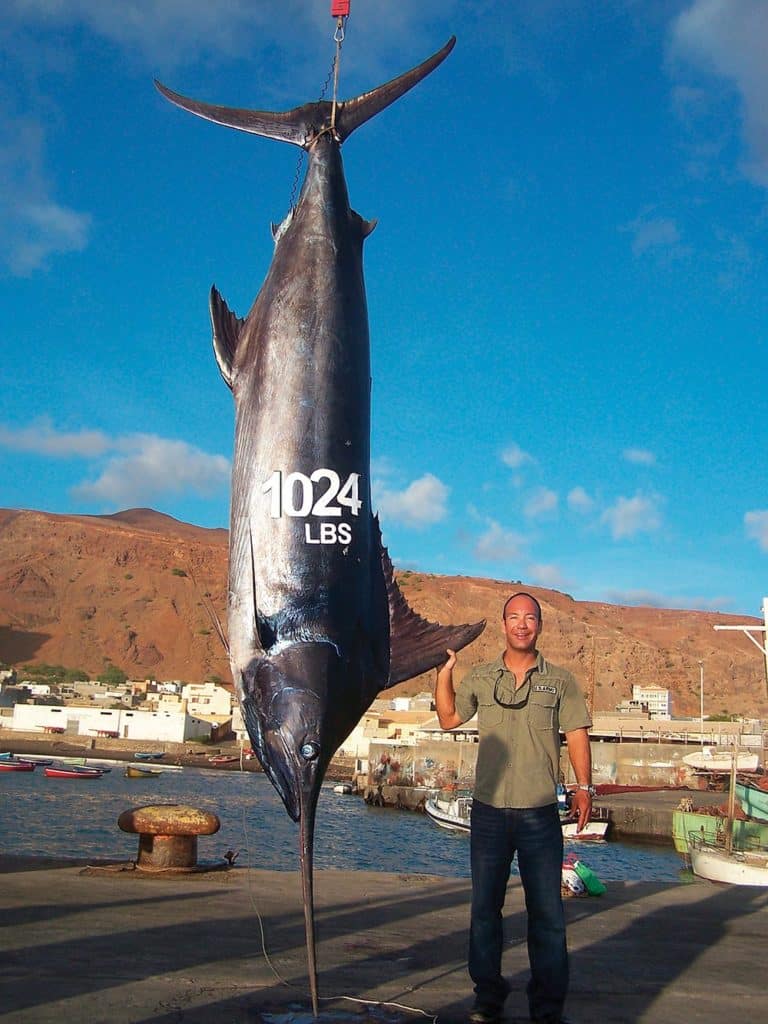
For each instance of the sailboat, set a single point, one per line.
(722, 863)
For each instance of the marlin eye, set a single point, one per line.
(309, 751)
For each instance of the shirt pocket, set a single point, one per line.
(541, 710)
(489, 714)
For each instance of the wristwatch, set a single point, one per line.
(589, 789)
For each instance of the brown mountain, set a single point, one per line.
(142, 591)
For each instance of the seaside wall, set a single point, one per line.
(442, 764)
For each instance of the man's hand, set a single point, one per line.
(449, 665)
(581, 806)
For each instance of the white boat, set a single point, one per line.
(343, 788)
(708, 760)
(453, 814)
(737, 867)
(594, 832)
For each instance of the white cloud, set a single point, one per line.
(654, 599)
(639, 456)
(422, 502)
(579, 500)
(33, 226)
(172, 32)
(132, 469)
(729, 40)
(540, 503)
(756, 524)
(546, 575)
(42, 439)
(653, 235)
(630, 516)
(153, 466)
(514, 456)
(498, 544)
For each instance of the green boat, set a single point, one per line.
(711, 828)
(753, 800)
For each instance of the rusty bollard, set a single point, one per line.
(168, 835)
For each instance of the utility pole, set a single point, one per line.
(748, 629)
(701, 695)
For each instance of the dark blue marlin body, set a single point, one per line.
(317, 624)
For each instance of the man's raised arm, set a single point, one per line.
(445, 695)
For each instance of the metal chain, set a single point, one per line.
(333, 76)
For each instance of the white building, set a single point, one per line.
(655, 698)
(113, 723)
(208, 699)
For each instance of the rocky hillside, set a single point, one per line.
(142, 591)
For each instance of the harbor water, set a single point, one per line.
(45, 817)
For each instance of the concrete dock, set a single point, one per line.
(130, 949)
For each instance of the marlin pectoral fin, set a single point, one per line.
(417, 645)
(226, 333)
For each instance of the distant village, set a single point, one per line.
(174, 712)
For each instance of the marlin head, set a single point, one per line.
(284, 705)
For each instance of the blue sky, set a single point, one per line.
(567, 286)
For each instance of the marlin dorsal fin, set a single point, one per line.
(417, 645)
(226, 333)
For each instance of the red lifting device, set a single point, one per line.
(340, 8)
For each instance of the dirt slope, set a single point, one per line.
(135, 589)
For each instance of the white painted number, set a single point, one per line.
(294, 494)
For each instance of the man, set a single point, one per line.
(522, 702)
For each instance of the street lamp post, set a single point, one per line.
(701, 696)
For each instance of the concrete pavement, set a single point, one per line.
(130, 949)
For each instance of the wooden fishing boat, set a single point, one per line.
(8, 764)
(711, 828)
(139, 771)
(223, 759)
(72, 771)
(148, 755)
(737, 867)
(722, 862)
(753, 798)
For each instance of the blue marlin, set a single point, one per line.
(317, 624)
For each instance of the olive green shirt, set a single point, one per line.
(518, 760)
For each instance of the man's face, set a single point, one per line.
(521, 624)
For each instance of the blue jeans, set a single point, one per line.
(535, 833)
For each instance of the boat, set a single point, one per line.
(708, 760)
(710, 825)
(753, 798)
(343, 788)
(595, 830)
(72, 771)
(737, 867)
(85, 762)
(454, 815)
(721, 862)
(140, 771)
(223, 759)
(8, 764)
(148, 755)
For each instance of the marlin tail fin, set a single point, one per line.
(302, 125)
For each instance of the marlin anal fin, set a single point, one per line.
(417, 645)
(302, 125)
(226, 333)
